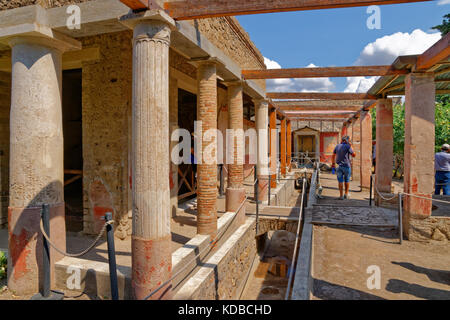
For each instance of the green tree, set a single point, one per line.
(442, 124)
(444, 28)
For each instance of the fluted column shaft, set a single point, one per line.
(151, 238)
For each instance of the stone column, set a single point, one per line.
(173, 125)
(288, 145)
(262, 124)
(207, 167)
(356, 145)
(36, 157)
(151, 238)
(366, 149)
(283, 147)
(419, 153)
(349, 130)
(273, 136)
(344, 130)
(235, 193)
(384, 146)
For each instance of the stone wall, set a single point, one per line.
(224, 273)
(5, 103)
(227, 34)
(11, 4)
(429, 228)
(106, 110)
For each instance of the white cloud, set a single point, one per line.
(385, 50)
(297, 85)
(442, 2)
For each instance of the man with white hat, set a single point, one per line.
(442, 167)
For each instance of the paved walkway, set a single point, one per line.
(343, 253)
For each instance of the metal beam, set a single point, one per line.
(196, 9)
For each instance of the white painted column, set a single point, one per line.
(262, 127)
(36, 156)
(151, 237)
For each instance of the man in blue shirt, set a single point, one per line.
(341, 156)
(442, 167)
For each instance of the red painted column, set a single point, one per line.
(384, 147)
(344, 130)
(419, 151)
(273, 147)
(366, 149)
(356, 145)
(289, 144)
(151, 242)
(283, 147)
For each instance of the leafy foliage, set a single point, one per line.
(3, 265)
(442, 124)
(444, 28)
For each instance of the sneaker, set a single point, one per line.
(346, 196)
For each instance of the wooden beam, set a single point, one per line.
(319, 116)
(196, 9)
(322, 72)
(318, 119)
(320, 108)
(321, 103)
(320, 95)
(436, 53)
(138, 5)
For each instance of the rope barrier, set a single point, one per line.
(408, 194)
(211, 245)
(75, 254)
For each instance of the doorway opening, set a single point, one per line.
(73, 149)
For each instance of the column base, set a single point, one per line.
(25, 270)
(263, 186)
(234, 199)
(151, 267)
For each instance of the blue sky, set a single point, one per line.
(337, 37)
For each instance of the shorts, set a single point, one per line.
(343, 174)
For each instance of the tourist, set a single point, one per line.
(442, 167)
(341, 156)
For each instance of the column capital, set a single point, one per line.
(234, 83)
(198, 61)
(39, 35)
(32, 26)
(132, 19)
(258, 101)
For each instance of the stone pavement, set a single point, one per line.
(350, 243)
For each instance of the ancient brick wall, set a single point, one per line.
(5, 103)
(106, 92)
(227, 34)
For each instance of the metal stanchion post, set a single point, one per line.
(370, 192)
(112, 258)
(256, 192)
(400, 217)
(269, 187)
(221, 193)
(46, 293)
